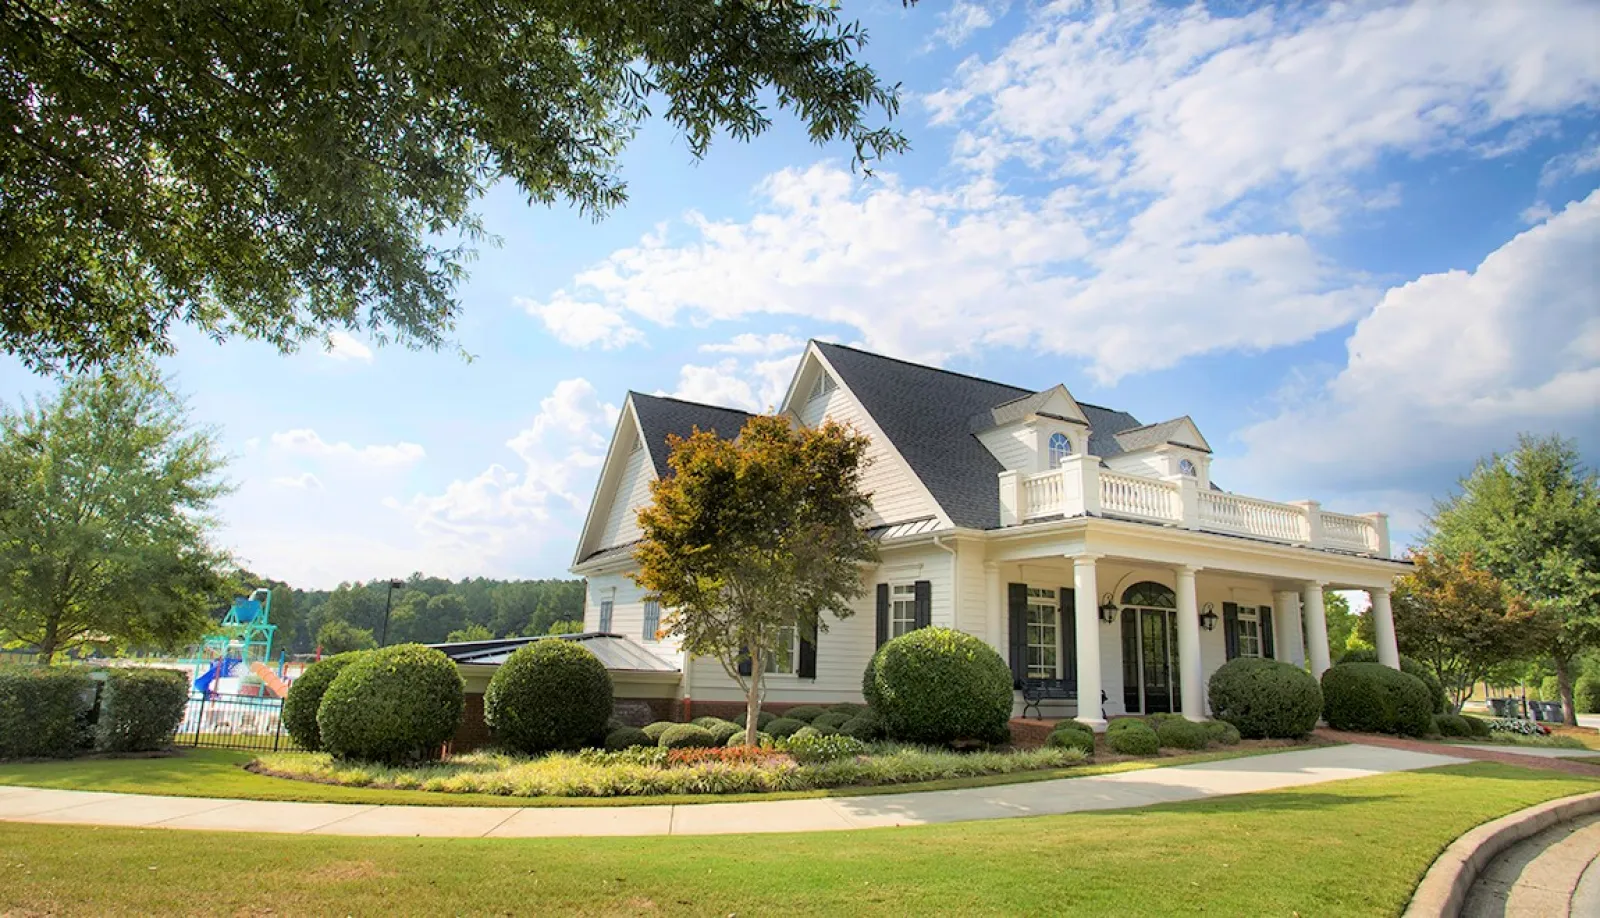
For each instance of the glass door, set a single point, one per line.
(1150, 661)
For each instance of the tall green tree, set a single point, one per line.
(1532, 519)
(280, 169)
(106, 493)
(338, 636)
(752, 540)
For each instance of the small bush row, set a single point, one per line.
(48, 711)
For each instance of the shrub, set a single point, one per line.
(1135, 739)
(1265, 699)
(763, 740)
(686, 736)
(1372, 698)
(1586, 695)
(548, 695)
(1072, 724)
(805, 712)
(44, 711)
(305, 698)
(784, 726)
(627, 738)
(762, 719)
(1476, 725)
(865, 726)
(722, 729)
(1181, 734)
(140, 709)
(1070, 738)
(1161, 717)
(1450, 725)
(809, 750)
(655, 730)
(1125, 723)
(392, 705)
(937, 685)
(848, 708)
(1440, 701)
(1515, 725)
(832, 719)
(1222, 733)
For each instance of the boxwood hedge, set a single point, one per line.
(938, 685)
(44, 711)
(627, 738)
(1440, 700)
(1222, 733)
(140, 709)
(392, 705)
(1071, 738)
(1133, 738)
(1450, 725)
(1181, 734)
(1265, 699)
(832, 719)
(866, 726)
(548, 695)
(1372, 698)
(686, 736)
(805, 712)
(655, 730)
(300, 706)
(784, 726)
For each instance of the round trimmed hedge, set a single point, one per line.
(549, 694)
(1070, 734)
(722, 729)
(1181, 734)
(805, 712)
(938, 685)
(762, 719)
(832, 719)
(1476, 726)
(866, 726)
(686, 736)
(1372, 698)
(655, 730)
(763, 740)
(1265, 699)
(392, 705)
(849, 708)
(1134, 739)
(783, 726)
(1222, 733)
(305, 698)
(1450, 725)
(626, 738)
(1439, 700)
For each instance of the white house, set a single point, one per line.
(1092, 551)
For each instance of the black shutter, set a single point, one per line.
(1068, 620)
(1269, 648)
(1017, 594)
(923, 594)
(807, 667)
(744, 660)
(1230, 628)
(883, 613)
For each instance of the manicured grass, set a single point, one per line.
(1348, 848)
(220, 773)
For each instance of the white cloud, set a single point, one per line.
(1449, 367)
(966, 18)
(343, 346)
(580, 323)
(754, 344)
(307, 442)
(1572, 163)
(501, 514)
(302, 482)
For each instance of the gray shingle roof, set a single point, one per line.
(1155, 435)
(660, 417)
(927, 412)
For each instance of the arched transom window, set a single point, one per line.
(1060, 449)
(1150, 595)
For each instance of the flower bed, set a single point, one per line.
(656, 771)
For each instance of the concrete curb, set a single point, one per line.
(1443, 889)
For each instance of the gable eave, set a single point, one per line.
(605, 485)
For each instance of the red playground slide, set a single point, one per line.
(276, 686)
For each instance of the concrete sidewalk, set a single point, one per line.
(1040, 798)
(1553, 874)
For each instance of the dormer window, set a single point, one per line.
(822, 386)
(1186, 467)
(1060, 449)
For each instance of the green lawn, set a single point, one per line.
(1342, 848)
(220, 773)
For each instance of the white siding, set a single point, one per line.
(972, 601)
(896, 494)
(1140, 463)
(627, 613)
(631, 493)
(1013, 445)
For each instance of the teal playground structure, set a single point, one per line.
(241, 649)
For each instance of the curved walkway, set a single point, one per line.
(1064, 795)
(1553, 874)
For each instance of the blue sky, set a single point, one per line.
(1357, 243)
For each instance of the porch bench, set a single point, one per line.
(1035, 691)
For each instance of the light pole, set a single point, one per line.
(387, 603)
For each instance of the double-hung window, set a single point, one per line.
(1248, 631)
(1043, 638)
(605, 615)
(786, 655)
(652, 620)
(902, 609)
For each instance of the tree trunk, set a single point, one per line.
(52, 638)
(1569, 711)
(752, 701)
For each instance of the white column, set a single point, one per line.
(994, 591)
(1189, 667)
(1290, 638)
(1316, 629)
(1383, 624)
(1086, 608)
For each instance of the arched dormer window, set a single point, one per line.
(1150, 595)
(1060, 449)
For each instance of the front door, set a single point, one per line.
(1150, 650)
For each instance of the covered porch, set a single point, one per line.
(1139, 617)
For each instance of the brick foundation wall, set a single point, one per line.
(473, 732)
(728, 710)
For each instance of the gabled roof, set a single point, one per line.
(927, 414)
(1178, 430)
(661, 417)
(618, 652)
(1017, 409)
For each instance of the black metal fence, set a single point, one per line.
(249, 722)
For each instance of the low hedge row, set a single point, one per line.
(140, 709)
(46, 711)
(1372, 698)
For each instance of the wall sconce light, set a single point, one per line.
(1108, 609)
(1208, 618)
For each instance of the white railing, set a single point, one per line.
(1134, 495)
(1253, 517)
(1042, 495)
(1355, 533)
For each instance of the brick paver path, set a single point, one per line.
(1501, 754)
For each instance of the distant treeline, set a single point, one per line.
(426, 610)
